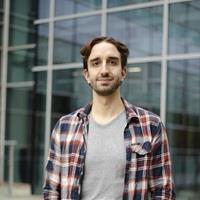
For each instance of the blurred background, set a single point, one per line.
(41, 76)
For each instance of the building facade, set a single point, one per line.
(41, 75)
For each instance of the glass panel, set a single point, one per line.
(22, 14)
(70, 35)
(19, 128)
(1, 4)
(140, 29)
(65, 7)
(43, 8)
(184, 29)
(112, 3)
(142, 85)
(70, 91)
(183, 122)
(39, 131)
(0, 67)
(19, 65)
(1, 21)
(42, 44)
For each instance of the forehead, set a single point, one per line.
(104, 49)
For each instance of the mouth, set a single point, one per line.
(104, 79)
(105, 82)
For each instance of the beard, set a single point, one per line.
(106, 89)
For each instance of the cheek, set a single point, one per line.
(119, 72)
(90, 75)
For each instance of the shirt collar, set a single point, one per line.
(131, 111)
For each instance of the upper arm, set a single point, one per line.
(161, 181)
(52, 177)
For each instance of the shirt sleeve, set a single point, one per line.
(161, 180)
(51, 189)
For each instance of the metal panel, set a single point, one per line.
(4, 62)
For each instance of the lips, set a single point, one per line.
(104, 79)
(104, 82)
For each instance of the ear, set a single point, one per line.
(124, 72)
(86, 75)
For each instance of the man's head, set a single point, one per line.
(87, 48)
(105, 62)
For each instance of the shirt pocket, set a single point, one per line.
(140, 155)
(140, 161)
(141, 148)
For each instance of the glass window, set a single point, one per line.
(1, 21)
(1, 4)
(113, 3)
(38, 126)
(70, 91)
(184, 29)
(0, 67)
(183, 120)
(22, 14)
(65, 7)
(18, 127)
(43, 8)
(140, 29)
(20, 63)
(142, 85)
(70, 35)
(42, 44)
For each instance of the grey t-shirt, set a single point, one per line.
(105, 160)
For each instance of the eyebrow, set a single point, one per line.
(110, 57)
(113, 58)
(94, 59)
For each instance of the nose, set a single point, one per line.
(104, 68)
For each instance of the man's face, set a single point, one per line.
(104, 73)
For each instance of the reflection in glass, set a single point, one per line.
(65, 7)
(113, 3)
(18, 127)
(140, 29)
(22, 14)
(70, 35)
(1, 4)
(0, 66)
(142, 85)
(42, 44)
(20, 63)
(184, 29)
(1, 21)
(70, 91)
(43, 8)
(38, 126)
(183, 120)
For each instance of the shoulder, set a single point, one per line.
(67, 120)
(150, 123)
(66, 126)
(146, 116)
(76, 116)
(142, 115)
(73, 116)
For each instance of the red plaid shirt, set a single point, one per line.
(148, 167)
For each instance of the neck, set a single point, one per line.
(106, 108)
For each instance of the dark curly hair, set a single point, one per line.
(87, 48)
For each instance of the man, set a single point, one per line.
(109, 149)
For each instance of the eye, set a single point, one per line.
(113, 62)
(95, 63)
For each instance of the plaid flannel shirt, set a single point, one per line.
(148, 166)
